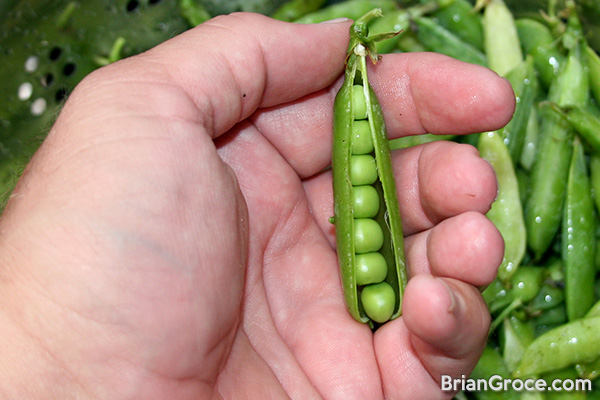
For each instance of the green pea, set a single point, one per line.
(378, 301)
(368, 235)
(366, 201)
(359, 103)
(363, 170)
(370, 268)
(362, 143)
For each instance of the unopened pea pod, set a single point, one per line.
(538, 41)
(530, 141)
(593, 64)
(491, 364)
(497, 297)
(516, 335)
(548, 297)
(460, 18)
(502, 45)
(594, 311)
(552, 317)
(527, 282)
(584, 121)
(193, 12)
(352, 9)
(294, 9)
(595, 182)
(374, 242)
(506, 212)
(396, 21)
(569, 344)
(438, 39)
(415, 140)
(550, 169)
(578, 237)
(524, 82)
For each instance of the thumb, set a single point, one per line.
(233, 64)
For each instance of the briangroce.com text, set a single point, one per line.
(497, 383)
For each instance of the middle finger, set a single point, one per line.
(435, 181)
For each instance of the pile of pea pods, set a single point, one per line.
(544, 303)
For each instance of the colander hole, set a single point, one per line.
(132, 5)
(47, 80)
(55, 53)
(60, 95)
(69, 69)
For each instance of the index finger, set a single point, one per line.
(418, 92)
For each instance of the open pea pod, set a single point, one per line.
(368, 230)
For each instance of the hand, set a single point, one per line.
(170, 239)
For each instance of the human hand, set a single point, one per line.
(171, 238)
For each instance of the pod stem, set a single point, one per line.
(361, 42)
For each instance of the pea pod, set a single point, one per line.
(497, 297)
(578, 240)
(538, 41)
(548, 297)
(569, 344)
(550, 169)
(415, 140)
(376, 302)
(294, 9)
(460, 18)
(352, 9)
(506, 212)
(595, 180)
(502, 45)
(525, 85)
(193, 12)
(516, 336)
(593, 63)
(584, 121)
(530, 141)
(492, 364)
(440, 40)
(396, 21)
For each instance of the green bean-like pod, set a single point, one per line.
(502, 45)
(550, 170)
(578, 241)
(355, 103)
(506, 212)
(571, 343)
(440, 40)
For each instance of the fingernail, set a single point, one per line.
(336, 20)
(451, 296)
